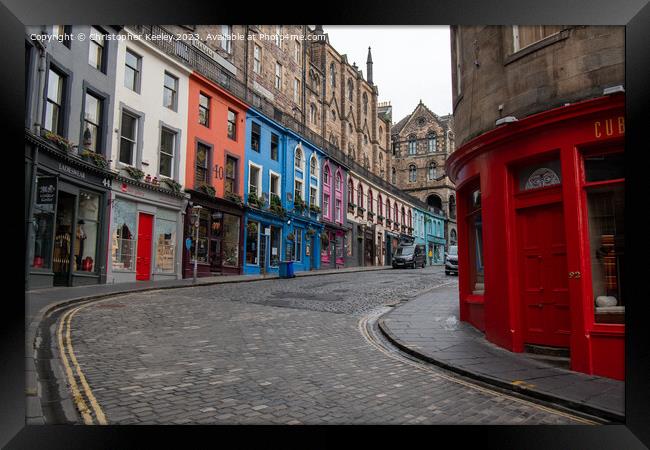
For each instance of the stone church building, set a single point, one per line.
(421, 143)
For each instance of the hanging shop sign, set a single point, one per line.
(46, 188)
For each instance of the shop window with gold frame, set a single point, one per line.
(202, 249)
(230, 243)
(474, 221)
(252, 242)
(124, 239)
(605, 193)
(165, 237)
(85, 248)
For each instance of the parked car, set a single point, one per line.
(413, 256)
(451, 260)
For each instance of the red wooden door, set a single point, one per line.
(143, 264)
(543, 275)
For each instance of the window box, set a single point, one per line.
(299, 205)
(388, 222)
(360, 211)
(371, 215)
(206, 188)
(61, 142)
(172, 184)
(351, 207)
(95, 158)
(235, 198)
(134, 172)
(255, 201)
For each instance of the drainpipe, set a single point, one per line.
(246, 63)
(41, 45)
(304, 75)
(29, 225)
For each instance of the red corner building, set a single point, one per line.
(539, 174)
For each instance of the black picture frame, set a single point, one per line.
(634, 14)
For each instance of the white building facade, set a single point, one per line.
(148, 150)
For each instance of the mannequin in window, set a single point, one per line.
(62, 249)
(79, 244)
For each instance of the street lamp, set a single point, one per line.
(194, 221)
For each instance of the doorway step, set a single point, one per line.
(555, 356)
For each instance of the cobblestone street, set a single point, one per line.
(276, 352)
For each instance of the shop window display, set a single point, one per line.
(605, 208)
(43, 226)
(276, 235)
(230, 245)
(475, 242)
(252, 242)
(85, 248)
(202, 249)
(123, 239)
(165, 236)
(298, 245)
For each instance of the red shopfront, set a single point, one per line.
(541, 233)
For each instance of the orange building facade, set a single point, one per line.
(214, 176)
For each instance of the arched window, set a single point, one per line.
(327, 175)
(365, 138)
(434, 201)
(380, 206)
(370, 199)
(332, 75)
(350, 191)
(360, 195)
(365, 103)
(313, 166)
(452, 207)
(381, 165)
(412, 145)
(431, 143)
(339, 181)
(314, 177)
(393, 175)
(350, 89)
(413, 174)
(333, 114)
(452, 237)
(410, 216)
(395, 213)
(298, 159)
(366, 161)
(313, 111)
(432, 171)
(403, 216)
(315, 82)
(327, 180)
(388, 209)
(299, 169)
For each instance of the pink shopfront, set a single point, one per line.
(333, 216)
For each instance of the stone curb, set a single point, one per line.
(32, 397)
(582, 407)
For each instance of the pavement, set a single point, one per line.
(428, 327)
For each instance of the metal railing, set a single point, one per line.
(206, 66)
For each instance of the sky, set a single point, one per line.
(410, 63)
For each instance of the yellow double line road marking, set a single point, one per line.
(66, 345)
(363, 328)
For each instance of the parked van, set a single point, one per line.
(413, 255)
